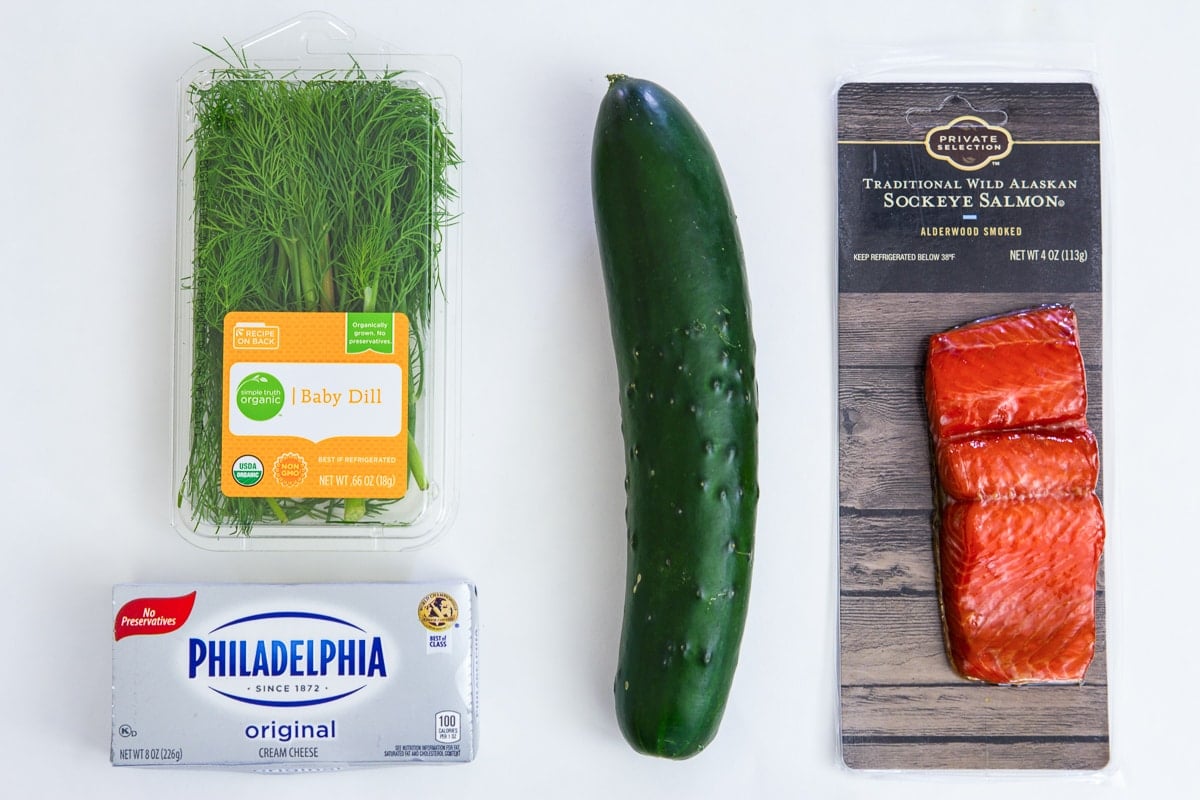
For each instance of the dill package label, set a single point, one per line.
(299, 677)
(315, 405)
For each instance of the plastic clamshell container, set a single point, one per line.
(310, 161)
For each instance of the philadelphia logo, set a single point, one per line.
(286, 659)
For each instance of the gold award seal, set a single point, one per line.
(437, 611)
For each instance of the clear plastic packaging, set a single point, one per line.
(317, 323)
(969, 186)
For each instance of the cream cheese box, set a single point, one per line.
(294, 677)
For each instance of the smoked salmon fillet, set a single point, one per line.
(1020, 530)
(1005, 373)
(1018, 587)
(1015, 464)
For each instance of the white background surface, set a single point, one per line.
(87, 207)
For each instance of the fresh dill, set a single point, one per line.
(327, 193)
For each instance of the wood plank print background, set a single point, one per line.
(902, 706)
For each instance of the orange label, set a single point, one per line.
(315, 405)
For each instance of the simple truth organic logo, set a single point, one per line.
(259, 396)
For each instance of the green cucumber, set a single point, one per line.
(680, 316)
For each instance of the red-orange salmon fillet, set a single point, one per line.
(1007, 372)
(1020, 528)
(1015, 464)
(1018, 585)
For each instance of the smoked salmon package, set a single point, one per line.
(971, 520)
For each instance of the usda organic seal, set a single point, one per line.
(247, 471)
